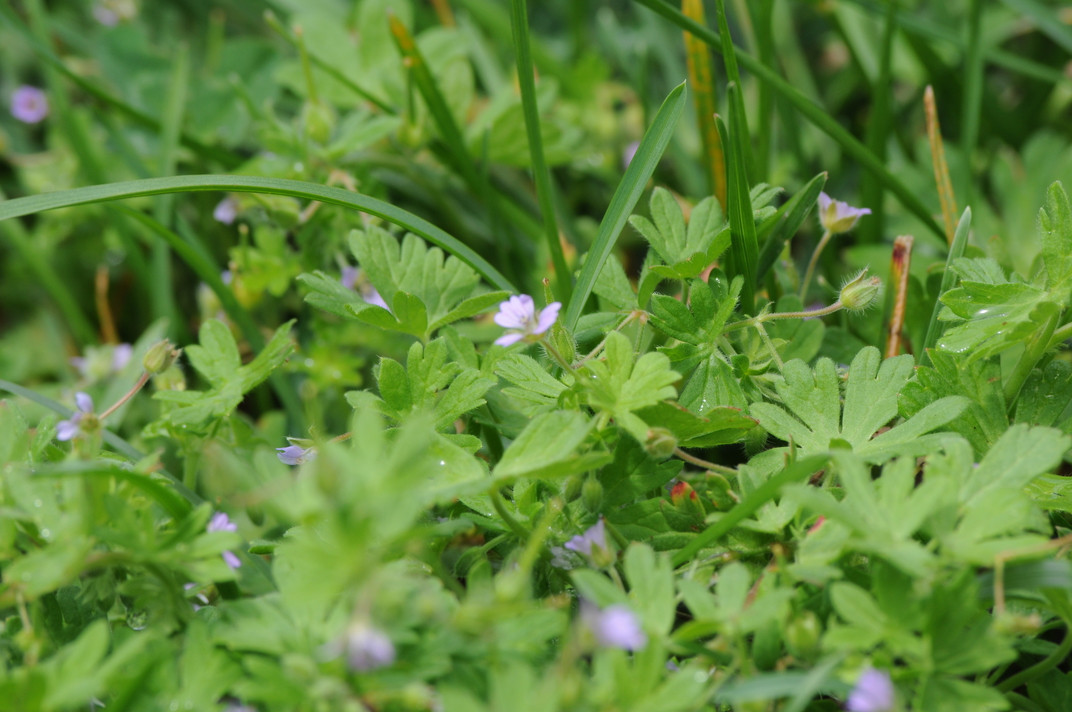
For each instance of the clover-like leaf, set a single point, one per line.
(816, 422)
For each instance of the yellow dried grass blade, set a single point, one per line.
(941, 168)
(899, 264)
(703, 91)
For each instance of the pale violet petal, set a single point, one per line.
(547, 317)
(511, 338)
(84, 402)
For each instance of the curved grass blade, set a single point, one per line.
(743, 149)
(174, 504)
(256, 184)
(787, 221)
(956, 250)
(625, 199)
(540, 172)
(811, 111)
(796, 472)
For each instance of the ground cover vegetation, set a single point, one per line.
(469, 355)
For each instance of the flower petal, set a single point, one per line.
(66, 429)
(509, 338)
(547, 317)
(84, 402)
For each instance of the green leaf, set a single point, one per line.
(814, 397)
(546, 448)
(216, 358)
(651, 584)
(985, 419)
(532, 383)
(620, 384)
(1020, 455)
(1055, 230)
(718, 425)
(685, 251)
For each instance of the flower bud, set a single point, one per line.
(592, 495)
(861, 292)
(660, 443)
(160, 357)
(319, 121)
(802, 634)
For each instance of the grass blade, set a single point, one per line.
(900, 263)
(972, 99)
(256, 184)
(624, 200)
(786, 222)
(956, 250)
(744, 245)
(703, 94)
(941, 168)
(735, 99)
(540, 172)
(878, 129)
(811, 111)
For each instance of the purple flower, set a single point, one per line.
(593, 545)
(220, 522)
(520, 316)
(873, 692)
(102, 361)
(295, 454)
(368, 648)
(69, 429)
(349, 275)
(614, 626)
(837, 216)
(226, 211)
(352, 278)
(29, 105)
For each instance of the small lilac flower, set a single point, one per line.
(226, 211)
(348, 278)
(368, 648)
(873, 692)
(523, 321)
(29, 105)
(69, 429)
(295, 454)
(220, 522)
(837, 216)
(105, 15)
(614, 626)
(593, 545)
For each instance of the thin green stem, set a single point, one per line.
(705, 464)
(769, 344)
(599, 347)
(810, 271)
(1045, 665)
(557, 355)
(499, 503)
(127, 396)
(773, 316)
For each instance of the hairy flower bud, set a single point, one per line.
(592, 495)
(860, 292)
(160, 357)
(660, 443)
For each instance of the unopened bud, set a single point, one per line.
(861, 292)
(319, 120)
(660, 443)
(592, 495)
(160, 357)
